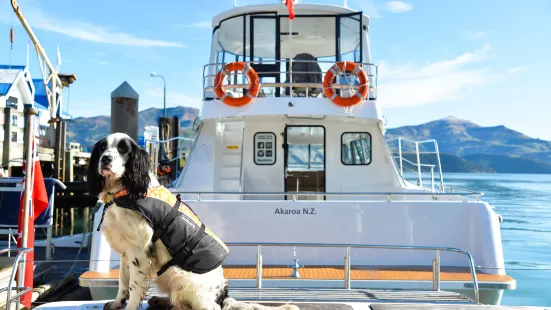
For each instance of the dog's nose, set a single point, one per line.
(106, 160)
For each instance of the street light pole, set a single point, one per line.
(164, 123)
(153, 74)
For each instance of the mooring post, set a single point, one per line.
(124, 110)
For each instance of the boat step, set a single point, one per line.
(229, 178)
(339, 295)
(399, 306)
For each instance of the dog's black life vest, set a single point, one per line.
(193, 246)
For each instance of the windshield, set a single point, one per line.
(311, 44)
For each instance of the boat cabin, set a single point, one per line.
(290, 137)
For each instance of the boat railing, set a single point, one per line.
(295, 195)
(21, 290)
(405, 164)
(347, 258)
(237, 82)
(153, 147)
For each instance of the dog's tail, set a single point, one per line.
(232, 304)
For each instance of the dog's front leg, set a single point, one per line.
(140, 271)
(124, 279)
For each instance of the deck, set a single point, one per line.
(336, 273)
(339, 299)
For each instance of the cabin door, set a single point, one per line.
(304, 161)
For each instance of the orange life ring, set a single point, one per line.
(253, 82)
(342, 67)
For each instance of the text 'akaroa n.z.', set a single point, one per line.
(308, 211)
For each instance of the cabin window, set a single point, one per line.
(264, 148)
(356, 148)
(264, 39)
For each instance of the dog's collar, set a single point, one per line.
(111, 196)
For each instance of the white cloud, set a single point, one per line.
(516, 69)
(101, 62)
(203, 24)
(397, 6)
(474, 35)
(86, 31)
(410, 85)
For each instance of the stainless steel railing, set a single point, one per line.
(210, 70)
(295, 195)
(153, 147)
(418, 163)
(20, 290)
(347, 264)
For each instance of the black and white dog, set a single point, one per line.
(118, 165)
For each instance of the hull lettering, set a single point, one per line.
(308, 211)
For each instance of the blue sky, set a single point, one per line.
(485, 61)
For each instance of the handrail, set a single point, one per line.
(13, 180)
(418, 164)
(21, 252)
(209, 72)
(347, 265)
(295, 84)
(168, 140)
(294, 194)
(422, 165)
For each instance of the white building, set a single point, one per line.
(17, 88)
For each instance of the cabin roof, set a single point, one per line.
(281, 9)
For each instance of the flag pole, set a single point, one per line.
(291, 56)
(30, 113)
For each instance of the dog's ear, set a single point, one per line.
(136, 173)
(95, 180)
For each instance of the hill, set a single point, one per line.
(464, 146)
(462, 137)
(496, 148)
(88, 130)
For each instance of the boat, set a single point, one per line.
(290, 167)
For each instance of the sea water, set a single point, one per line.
(524, 201)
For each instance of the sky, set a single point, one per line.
(485, 61)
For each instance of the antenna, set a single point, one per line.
(58, 66)
(234, 3)
(345, 3)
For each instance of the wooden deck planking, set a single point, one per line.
(361, 273)
(337, 273)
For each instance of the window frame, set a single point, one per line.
(370, 147)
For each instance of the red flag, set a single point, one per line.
(38, 203)
(291, 8)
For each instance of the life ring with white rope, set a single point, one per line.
(254, 85)
(345, 67)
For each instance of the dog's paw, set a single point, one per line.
(115, 305)
(159, 303)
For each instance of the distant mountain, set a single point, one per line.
(88, 130)
(509, 164)
(497, 148)
(464, 146)
(462, 137)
